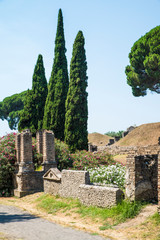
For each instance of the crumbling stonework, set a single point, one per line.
(76, 184)
(142, 176)
(159, 185)
(52, 181)
(124, 150)
(71, 180)
(92, 148)
(27, 180)
(99, 196)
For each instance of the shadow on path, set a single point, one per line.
(6, 218)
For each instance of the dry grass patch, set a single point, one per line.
(98, 139)
(149, 230)
(120, 158)
(146, 134)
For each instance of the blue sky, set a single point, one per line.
(28, 28)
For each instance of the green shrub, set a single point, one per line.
(62, 155)
(7, 160)
(113, 174)
(83, 160)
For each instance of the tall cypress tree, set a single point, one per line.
(32, 114)
(76, 135)
(54, 115)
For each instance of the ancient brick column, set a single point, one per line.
(26, 162)
(48, 150)
(17, 146)
(24, 177)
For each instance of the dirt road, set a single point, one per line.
(21, 225)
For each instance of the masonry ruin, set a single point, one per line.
(26, 179)
(68, 183)
(142, 175)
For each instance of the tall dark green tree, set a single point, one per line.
(76, 135)
(32, 114)
(54, 115)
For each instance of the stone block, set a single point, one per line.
(99, 196)
(52, 181)
(71, 180)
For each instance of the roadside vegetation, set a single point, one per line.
(108, 217)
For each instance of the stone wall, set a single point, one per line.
(76, 184)
(52, 181)
(123, 150)
(142, 175)
(99, 196)
(71, 180)
(159, 185)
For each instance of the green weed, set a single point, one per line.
(116, 214)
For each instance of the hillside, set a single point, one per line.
(98, 139)
(146, 134)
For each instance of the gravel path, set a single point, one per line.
(22, 225)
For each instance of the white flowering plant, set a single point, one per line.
(112, 174)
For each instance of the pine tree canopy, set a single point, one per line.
(11, 107)
(76, 135)
(144, 70)
(54, 115)
(32, 114)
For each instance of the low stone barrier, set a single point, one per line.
(99, 196)
(76, 184)
(52, 181)
(71, 180)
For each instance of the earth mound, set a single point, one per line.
(145, 134)
(98, 139)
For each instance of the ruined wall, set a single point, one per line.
(26, 180)
(71, 180)
(99, 196)
(52, 181)
(76, 184)
(123, 150)
(159, 185)
(142, 175)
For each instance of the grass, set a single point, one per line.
(149, 230)
(107, 216)
(53, 204)
(3, 237)
(120, 158)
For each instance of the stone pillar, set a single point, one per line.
(26, 163)
(48, 151)
(130, 176)
(158, 183)
(17, 146)
(24, 177)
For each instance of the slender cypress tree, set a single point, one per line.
(76, 135)
(54, 114)
(32, 115)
